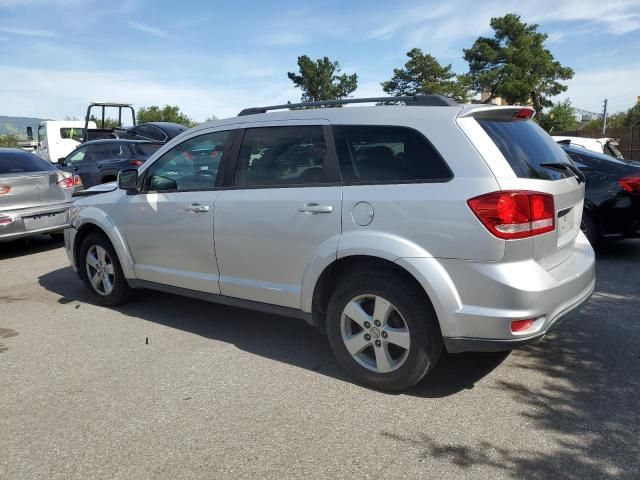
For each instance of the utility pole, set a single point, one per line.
(604, 119)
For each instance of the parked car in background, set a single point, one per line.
(612, 196)
(608, 146)
(99, 161)
(399, 231)
(34, 195)
(160, 132)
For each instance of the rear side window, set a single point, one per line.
(526, 147)
(23, 162)
(279, 156)
(107, 151)
(72, 133)
(387, 155)
(147, 131)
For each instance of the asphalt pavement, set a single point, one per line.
(169, 387)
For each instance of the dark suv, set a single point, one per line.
(99, 161)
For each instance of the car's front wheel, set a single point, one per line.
(383, 330)
(101, 271)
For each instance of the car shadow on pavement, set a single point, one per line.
(275, 337)
(587, 403)
(28, 246)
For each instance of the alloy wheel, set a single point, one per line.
(100, 271)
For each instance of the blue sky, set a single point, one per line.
(217, 57)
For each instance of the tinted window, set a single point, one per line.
(74, 133)
(387, 154)
(144, 149)
(107, 151)
(191, 165)
(76, 156)
(525, 146)
(281, 156)
(147, 131)
(20, 162)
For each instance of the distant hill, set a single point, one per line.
(18, 125)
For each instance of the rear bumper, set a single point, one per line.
(476, 302)
(16, 227)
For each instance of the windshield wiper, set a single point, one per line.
(566, 167)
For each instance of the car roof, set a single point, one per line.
(107, 141)
(590, 153)
(167, 126)
(15, 151)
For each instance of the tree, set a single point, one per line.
(211, 118)
(423, 74)
(108, 122)
(515, 65)
(166, 114)
(560, 118)
(9, 141)
(320, 80)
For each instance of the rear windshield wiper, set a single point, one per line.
(566, 167)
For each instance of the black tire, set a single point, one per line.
(417, 313)
(121, 291)
(590, 228)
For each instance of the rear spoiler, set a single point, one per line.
(514, 112)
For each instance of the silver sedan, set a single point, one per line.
(34, 195)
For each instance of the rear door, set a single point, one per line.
(281, 208)
(524, 157)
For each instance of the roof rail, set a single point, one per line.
(414, 100)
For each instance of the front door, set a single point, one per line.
(284, 207)
(169, 225)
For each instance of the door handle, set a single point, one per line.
(313, 208)
(197, 208)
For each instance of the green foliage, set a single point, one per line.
(211, 118)
(515, 65)
(166, 114)
(108, 122)
(320, 80)
(423, 74)
(9, 141)
(560, 118)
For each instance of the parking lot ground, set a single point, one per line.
(220, 392)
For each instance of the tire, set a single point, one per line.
(383, 364)
(110, 289)
(590, 229)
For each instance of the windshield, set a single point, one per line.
(526, 147)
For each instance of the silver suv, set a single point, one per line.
(399, 230)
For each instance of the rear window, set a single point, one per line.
(72, 133)
(387, 155)
(23, 162)
(144, 150)
(526, 147)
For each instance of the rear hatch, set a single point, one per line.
(524, 157)
(27, 181)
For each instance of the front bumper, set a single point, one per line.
(32, 221)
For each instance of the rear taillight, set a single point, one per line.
(631, 183)
(70, 181)
(137, 163)
(4, 189)
(515, 214)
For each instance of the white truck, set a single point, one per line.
(57, 138)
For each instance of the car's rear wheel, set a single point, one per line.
(383, 330)
(101, 271)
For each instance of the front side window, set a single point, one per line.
(387, 155)
(191, 165)
(281, 156)
(76, 156)
(42, 133)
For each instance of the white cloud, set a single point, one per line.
(27, 32)
(141, 27)
(69, 92)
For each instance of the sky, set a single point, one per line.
(218, 57)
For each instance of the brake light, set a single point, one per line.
(521, 325)
(137, 163)
(4, 189)
(514, 214)
(631, 183)
(70, 182)
(524, 113)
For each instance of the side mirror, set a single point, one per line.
(30, 134)
(128, 179)
(61, 162)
